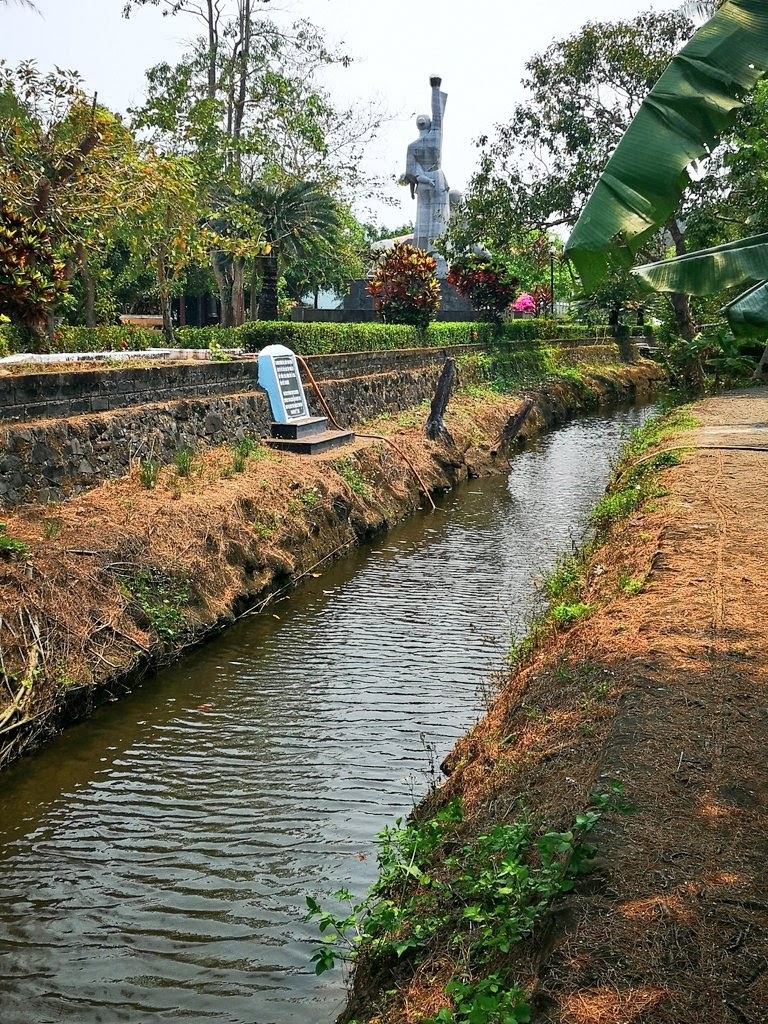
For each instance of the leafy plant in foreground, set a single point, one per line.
(494, 887)
(161, 597)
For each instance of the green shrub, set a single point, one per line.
(308, 338)
(149, 471)
(204, 337)
(162, 597)
(109, 338)
(183, 460)
(10, 547)
(488, 284)
(323, 339)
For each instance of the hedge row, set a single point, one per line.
(309, 338)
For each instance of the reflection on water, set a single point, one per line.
(156, 858)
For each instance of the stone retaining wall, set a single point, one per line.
(35, 396)
(50, 459)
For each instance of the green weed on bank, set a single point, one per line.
(504, 371)
(437, 888)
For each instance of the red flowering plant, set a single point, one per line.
(404, 286)
(542, 296)
(487, 283)
(31, 278)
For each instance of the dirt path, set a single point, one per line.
(673, 927)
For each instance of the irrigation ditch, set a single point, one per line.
(156, 566)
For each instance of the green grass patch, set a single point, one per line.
(353, 478)
(565, 578)
(630, 585)
(183, 460)
(149, 471)
(567, 614)
(10, 547)
(162, 597)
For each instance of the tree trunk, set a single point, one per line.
(253, 309)
(165, 302)
(238, 293)
(681, 305)
(693, 371)
(435, 428)
(219, 267)
(514, 424)
(89, 286)
(760, 369)
(213, 48)
(238, 101)
(269, 288)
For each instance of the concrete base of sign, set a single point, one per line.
(297, 430)
(307, 436)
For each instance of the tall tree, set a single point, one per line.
(686, 113)
(297, 221)
(332, 262)
(63, 156)
(163, 224)
(539, 169)
(246, 103)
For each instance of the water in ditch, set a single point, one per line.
(155, 859)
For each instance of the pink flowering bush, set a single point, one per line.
(524, 303)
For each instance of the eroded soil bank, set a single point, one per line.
(658, 690)
(117, 581)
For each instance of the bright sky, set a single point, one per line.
(478, 47)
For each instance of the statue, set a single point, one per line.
(424, 174)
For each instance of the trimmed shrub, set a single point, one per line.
(314, 338)
(310, 339)
(113, 338)
(203, 337)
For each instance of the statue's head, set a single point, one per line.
(423, 122)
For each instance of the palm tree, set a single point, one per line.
(680, 121)
(295, 220)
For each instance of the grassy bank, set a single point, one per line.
(163, 558)
(455, 929)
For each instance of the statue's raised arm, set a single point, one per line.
(439, 99)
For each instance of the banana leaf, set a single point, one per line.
(681, 120)
(708, 271)
(748, 314)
